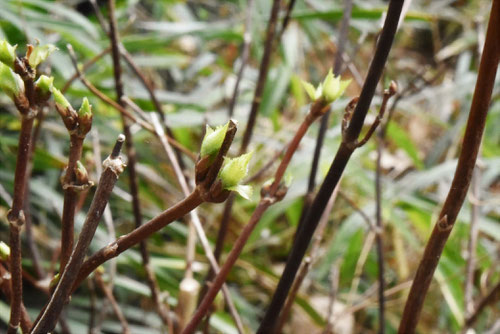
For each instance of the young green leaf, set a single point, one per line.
(85, 117)
(233, 172)
(10, 82)
(7, 53)
(39, 54)
(4, 251)
(60, 99)
(213, 140)
(333, 87)
(45, 84)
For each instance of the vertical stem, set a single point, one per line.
(245, 53)
(337, 167)
(461, 180)
(337, 67)
(16, 220)
(274, 193)
(472, 243)
(114, 166)
(70, 201)
(261, 81)
(35, 254)
(379, 235)
(131, 153)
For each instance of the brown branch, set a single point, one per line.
(5, 287)
(347, 147)
(196, 224)
(204, 191)
(307, 263)
(492, 297)
(103, 97)
(116, 50)
(34, 251)
(245, 54)
(472, 242)
(113, 168)
(261, 81)
(461, 180)
(28, 108)
(286, 19)
(337, 69)
(269, 195)
(84, 68)
(114, 304)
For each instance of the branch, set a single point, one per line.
(245, 54)
(337, 167)
(461, 180)
(113, 168)
(492, 297)
(263, 70)
(103, 97)
(203, 192)
(28, 108)
(269, 195)
(114, 304)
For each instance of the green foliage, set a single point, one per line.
(190, 53)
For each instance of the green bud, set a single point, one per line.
(213, 140)
(81, 175)
(310, 90)
(7, 53)
(39, 54)
(54, 281)
(10, 82)
(333, 87)
(85, 117)
(4, 251)
(44, 86)
(60, 99)
(233, 172)
(329, 90)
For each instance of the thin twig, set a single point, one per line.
(463, 174)
(308, 262)
(263, 70)
(332, 296)
(337, 67)
(286, 19)
(103, 97)
(245, 54)
(347, 147)
(257, 98)
(196, 224)
(107, 216)
(492, 297)
(472, 243)
(84, 68)
(131, 159)
(269, 195)
(113, 168)
(5, 287)
(33, 248)
(204, 191)
(28, 108)
(114, 304)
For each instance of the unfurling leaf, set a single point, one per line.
(10, 82)
(7, 53)
(39, 54)
(213, 140)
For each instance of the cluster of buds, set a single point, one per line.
(17, 75)
(78, 123)
(326, 93)
(216, 174)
